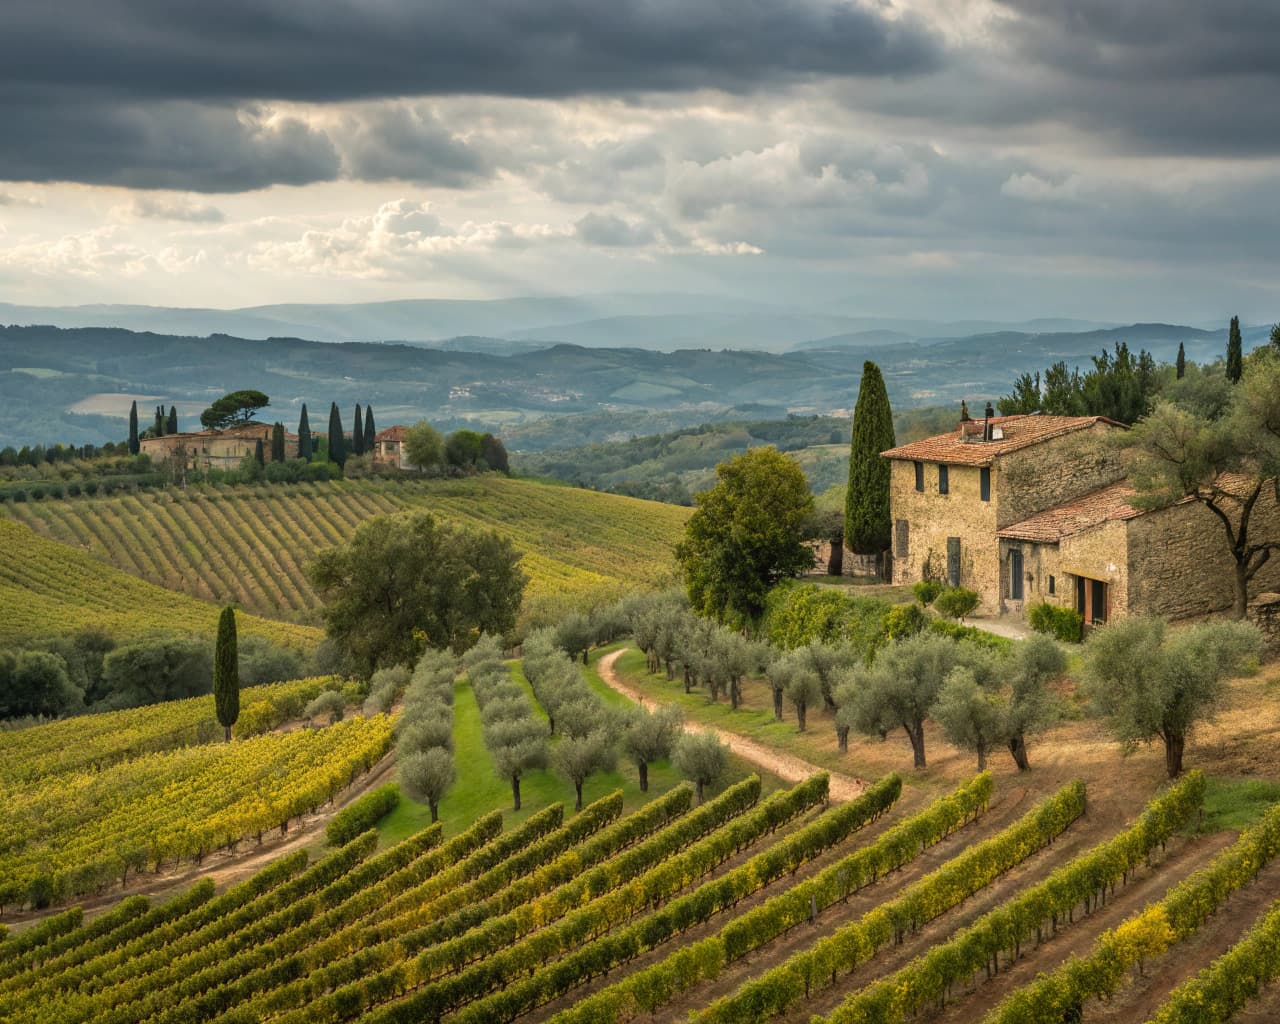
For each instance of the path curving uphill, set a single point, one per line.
(785, 766)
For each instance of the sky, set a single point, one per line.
(923, 158)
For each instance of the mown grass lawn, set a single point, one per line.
(480, 790)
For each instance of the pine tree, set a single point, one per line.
(1181, 364)
(277, 443)
(1235, 352)
(357, 432)
(259, 454)
(337, 443)
(304, 435)
(866, 509)
(133, 429)
(226, 672)
(171, 427)
(370, 431)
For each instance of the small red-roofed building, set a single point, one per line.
(388, 447)
(1031, 508)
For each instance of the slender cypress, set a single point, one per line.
(866, 509)
(357, 432)
(1181, 364)
(157, 427)
(133, 429)
(337, 443)
(259, 454)
(277, 443)
(226, 672)
(1235, 352)
(171, 427)
(370, 431)
(304, 435)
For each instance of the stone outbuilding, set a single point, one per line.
(1025, 509)
(388, 447)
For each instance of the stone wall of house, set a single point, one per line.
(1053, 472)
(1039, 563)
(932, 518)
(1264, 612)
(1099, 553)
(1181, 565)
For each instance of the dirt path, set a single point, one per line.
(785, 766)
(226, 869)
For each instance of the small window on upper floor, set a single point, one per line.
(919, 475)
(1052, 585)
(944, 485)
(984, 483)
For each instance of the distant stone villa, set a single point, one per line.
(1024, 509)
(388, 447)
(217, 449)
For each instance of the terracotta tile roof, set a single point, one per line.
(396, 433)
(1018, 431)
(1049, 527)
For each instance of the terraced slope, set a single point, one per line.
(251, 545)
(47, 588)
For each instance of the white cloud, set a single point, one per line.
(1036, 189)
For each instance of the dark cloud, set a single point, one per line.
(181, 146)
(326, 50)
(401, 142)
(606, 229)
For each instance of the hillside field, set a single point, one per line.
(251, 545)
(49, 588)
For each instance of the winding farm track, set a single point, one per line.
(785, 766)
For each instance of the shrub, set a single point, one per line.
(973, 634)
(927, 591)
(904, 620)
(1066, 624)
(955, 602)
(331, 703)
(362, 814)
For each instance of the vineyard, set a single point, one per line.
(92, 801)
(744, 908)
(251, 545)
(48, 588)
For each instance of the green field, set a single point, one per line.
(251, 545)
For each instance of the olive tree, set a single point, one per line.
(331, 703)
(1031, 707)
(577, 757)
(971, 717)
(701, 758)
(1154, 683)
(650, 736)
(427, 775)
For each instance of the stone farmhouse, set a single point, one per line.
(1025, 509)
(216, 449)
(388, 447)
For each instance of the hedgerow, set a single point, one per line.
(362, 814)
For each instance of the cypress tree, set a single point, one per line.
(133, 429)
(172, 426)
(357, 432)
(277, 443)
(259, 455)
(337, 443)
(158, 427)
(304, 435)
(866, 507)
(1235, 352)
(1181, 364)
(226, 671)
(370, 431)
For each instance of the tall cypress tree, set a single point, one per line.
(1181, 364)
(1235, 352)
(866, 505)
(171, 427)
(259, 453)
(357, 432)
(337, 443)
(157, 428)
(370, 431)
(304, 435)
(133, 429)
(226, 672)
(277, 443)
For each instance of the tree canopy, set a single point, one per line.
(407, 583)
(233, 409)
(423, 446)
(1121, 385)
(745, 535)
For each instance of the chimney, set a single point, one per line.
(988, 416)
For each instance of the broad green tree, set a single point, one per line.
(36, 683)
(226, 672)
(337, 439)
(701, 758)
(970, 716)
(494, 453)
(1155, 683)
(745, 535)
(1235, 352)
(233, 409)
(305, 449)
(408, 582)
(423, 446)
(866, 510)
(650, 736)
(427, 775)
(1031, 707)
(133, 429)
(578, 757)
